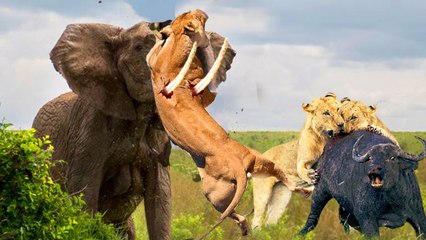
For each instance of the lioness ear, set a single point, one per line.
(164, 33)
(372, 108)
(330, 94)
(308, 107)
(189, 27)
(345, 99)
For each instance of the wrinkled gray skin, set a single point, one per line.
(107, 130)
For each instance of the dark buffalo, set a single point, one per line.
(373, 181)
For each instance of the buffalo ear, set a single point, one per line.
(210, 53)
(307, 107)
(84, 57)
(408, 165)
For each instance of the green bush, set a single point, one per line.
(193, 226)
(281, 230)
(32, 206)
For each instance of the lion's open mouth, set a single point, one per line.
(375, 180)
(330, 133)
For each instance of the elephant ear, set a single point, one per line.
(84, 57)
(210, 53)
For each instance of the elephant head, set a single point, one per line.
(106, 65)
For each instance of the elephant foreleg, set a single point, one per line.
(85, 179)
(130, 231)
(158, 201)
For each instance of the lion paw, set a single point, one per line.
(305, 191)
(303, 184)
(314, 176)
(245, 227)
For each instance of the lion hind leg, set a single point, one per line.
(280, 198)
(262, 190)
(259, 165)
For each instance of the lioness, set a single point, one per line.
(358, 116)
(323, 121)
(295, 158)
(179, 84)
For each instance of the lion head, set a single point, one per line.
(357, 115)
(323, 116)
(191, 24)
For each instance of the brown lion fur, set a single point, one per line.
(358, 116)
(222, 162)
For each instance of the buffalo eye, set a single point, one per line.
(392, 158)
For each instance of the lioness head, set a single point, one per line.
(356, 114)
(323, 115)
(191, 24)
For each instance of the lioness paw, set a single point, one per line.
(303, 184)
(314, 176)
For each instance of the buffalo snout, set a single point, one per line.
(375, 174)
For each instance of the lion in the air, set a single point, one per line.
(295, 158)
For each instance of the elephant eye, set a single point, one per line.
(138, 47)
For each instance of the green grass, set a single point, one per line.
(188, 200)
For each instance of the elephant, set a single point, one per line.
(114, 147)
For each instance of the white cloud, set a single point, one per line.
(228, 20)
(28, 79)
(288, 75)
(274, 77)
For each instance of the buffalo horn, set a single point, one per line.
(355, 154)
(413, 157)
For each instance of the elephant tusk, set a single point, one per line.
(213, 71)
(167, 90)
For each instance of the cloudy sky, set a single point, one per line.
(288, 52)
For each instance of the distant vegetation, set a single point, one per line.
(32, 206)
(188, 200)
